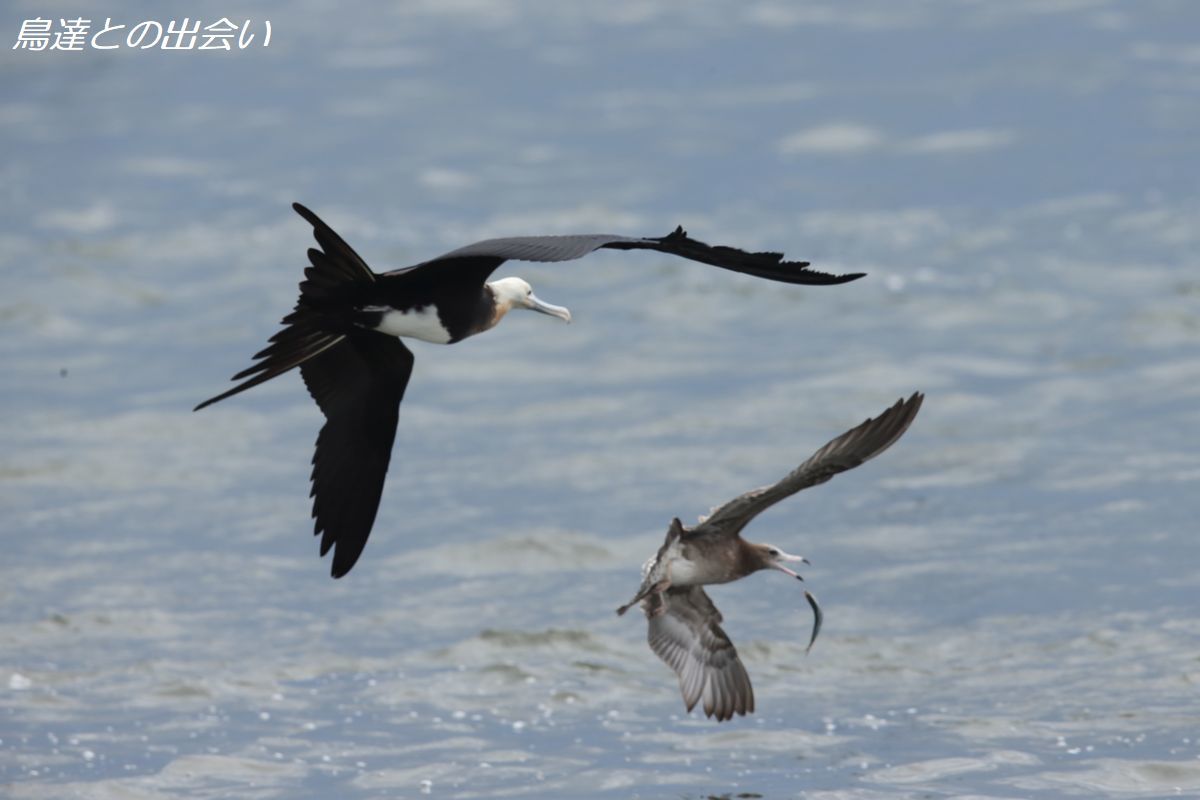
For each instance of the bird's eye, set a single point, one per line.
(773, 551)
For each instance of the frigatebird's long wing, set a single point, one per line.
(687, 635)
(847, 451)
(358, 384)
(483, 257)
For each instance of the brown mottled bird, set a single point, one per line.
(685, 626)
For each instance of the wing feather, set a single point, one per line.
(845, 452)
(358, 385)
(343, 264)
(490, 253)
(688, 637)
(336, 272)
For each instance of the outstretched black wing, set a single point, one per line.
(359, 385)
(482, 258)
(761, 265)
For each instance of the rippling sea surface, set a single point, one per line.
(1011, 592)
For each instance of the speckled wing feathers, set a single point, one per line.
(687, 636)
(845, 452)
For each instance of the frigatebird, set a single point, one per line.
(345, 336)
(684, 624)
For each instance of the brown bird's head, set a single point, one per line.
(768, 556)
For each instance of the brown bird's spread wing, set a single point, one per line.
(846, 452)
(687, 635)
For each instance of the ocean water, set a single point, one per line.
(1010, 591)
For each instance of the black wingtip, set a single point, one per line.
(345, 555)
(341, 565)
(766, 264)
(815, 278)
(309, 217)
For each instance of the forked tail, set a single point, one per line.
(335, 277)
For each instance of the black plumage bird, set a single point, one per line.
(345, 336)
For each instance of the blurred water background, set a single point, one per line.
(1011, 591)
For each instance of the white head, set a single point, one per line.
(516, 293)
(774, 558)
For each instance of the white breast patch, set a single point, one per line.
(421, 323)
(683, 572)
